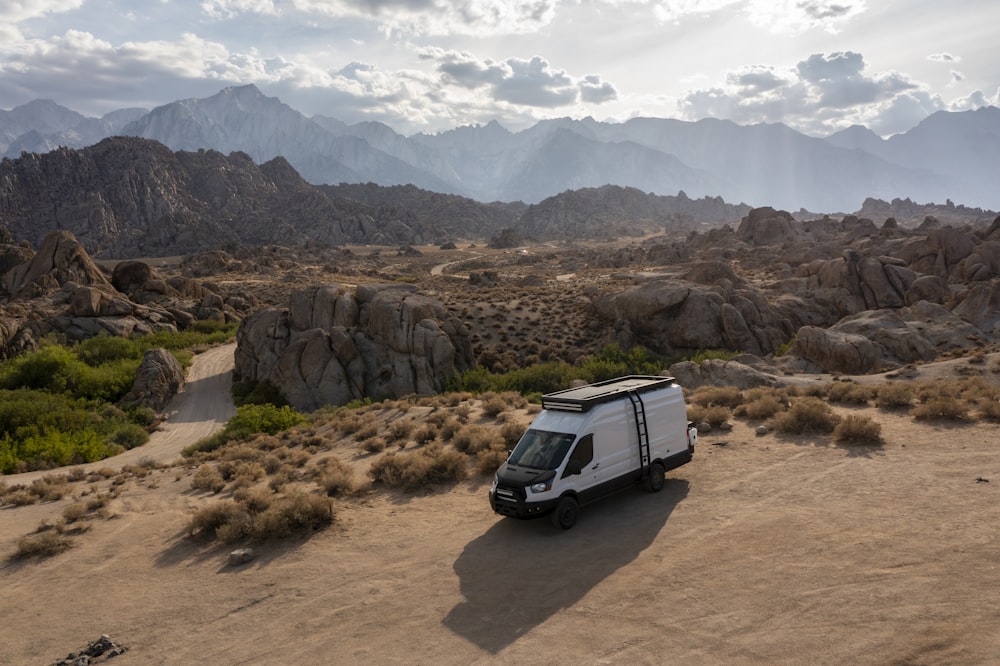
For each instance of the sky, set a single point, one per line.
(817, 66)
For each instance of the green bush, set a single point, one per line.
(249, 420)
(129, 436)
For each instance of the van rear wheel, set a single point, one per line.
(656, 478)
(565, 513)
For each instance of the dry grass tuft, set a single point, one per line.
(941, 408)
(422, 467)
(806, 415)
(894, 395)
(41, 545)
(854, 429)
(725, 396)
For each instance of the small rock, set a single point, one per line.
(980, 479)
(762, 430)
(240, 556)
(725, 425)
(704, 428)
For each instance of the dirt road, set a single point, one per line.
(201, 408)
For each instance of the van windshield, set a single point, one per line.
(541, 449)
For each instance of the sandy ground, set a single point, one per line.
(762, 550)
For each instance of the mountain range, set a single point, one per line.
(949, 156)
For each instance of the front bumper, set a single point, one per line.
(512, 502)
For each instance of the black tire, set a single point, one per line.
(565, 513)
(656, 479)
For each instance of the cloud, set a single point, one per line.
(15, 11)
(226, 9)
(957, 76)
(440, 17)
(821, 94)
(797, 16)
(943, 57)
(532, 82)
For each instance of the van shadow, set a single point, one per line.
(519, 573)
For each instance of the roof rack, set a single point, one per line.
(583, 398)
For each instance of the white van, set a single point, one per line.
(591, 441)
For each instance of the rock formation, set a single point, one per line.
(331, 345)
(157, 380)
(674, 316)
(59, 289)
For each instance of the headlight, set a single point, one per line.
(496, 480)
(541, 486)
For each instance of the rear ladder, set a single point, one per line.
(639, 409)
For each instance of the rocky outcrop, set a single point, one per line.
(674, 316)
(835, 351)
(157, 380)
(716, 372)
(331, 345)
(767, 226)
(61, 290)
(876, 340)
(852, 283)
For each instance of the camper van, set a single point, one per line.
(591, 441)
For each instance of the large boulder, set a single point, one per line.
(157, 380)
(716, 372)
(767, 226)
(331, 346)
(836, 351)
(60, 259)
(674, 316)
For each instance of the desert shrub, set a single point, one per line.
(472, 439)
(488, 461)
(129, 436)
(989, 410)
(428, 432)
(374, 444)
(462, 412)
(208, 478)
(267, 419)
(301, 512)
(849, 393)
(806, 415)
(542, 378)
(854, 429)
(207, 521)
(415, 469)
(337, 478)
(41, 545)
(249, 420)
(368, 429)
(437, 418)
(74, 512)
(511, 434)
(448, 429)
(399, 430)
(726, 396)
(248, 473)
(493, 405)
(893, 395)
(695, 413)
(761, 407)
(941, 408)
(255, 500)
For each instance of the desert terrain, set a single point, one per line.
(772, 548)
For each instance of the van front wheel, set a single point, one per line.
(656, 478)
(565, 513)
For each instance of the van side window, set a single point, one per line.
(582, 454)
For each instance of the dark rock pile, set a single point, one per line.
(96, 652)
